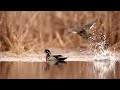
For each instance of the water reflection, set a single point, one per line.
(71, 70)
(104, 67)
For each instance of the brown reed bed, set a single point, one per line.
(35, 30)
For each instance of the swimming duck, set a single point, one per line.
(53, 59)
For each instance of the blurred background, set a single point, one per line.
(22, 31)
(37, 30)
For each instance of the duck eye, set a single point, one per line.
(47, 51)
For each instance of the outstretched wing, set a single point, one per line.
(76, 30)
(89, 25)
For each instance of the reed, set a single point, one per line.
(35, 30)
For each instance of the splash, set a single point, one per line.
(104, 60)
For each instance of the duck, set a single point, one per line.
(53, 59)
(82, 31)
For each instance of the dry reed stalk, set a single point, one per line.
(45, 27)
(60, 39)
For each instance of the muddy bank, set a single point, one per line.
(71, 70)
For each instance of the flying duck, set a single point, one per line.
(82, 30)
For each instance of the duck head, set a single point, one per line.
(48, 53)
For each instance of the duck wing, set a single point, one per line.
(59, 57)
(89, 25)
(62, 58)
(76, 30)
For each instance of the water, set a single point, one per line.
(104, 62)
(84, 65)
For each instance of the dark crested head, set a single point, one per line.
(47, 51)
